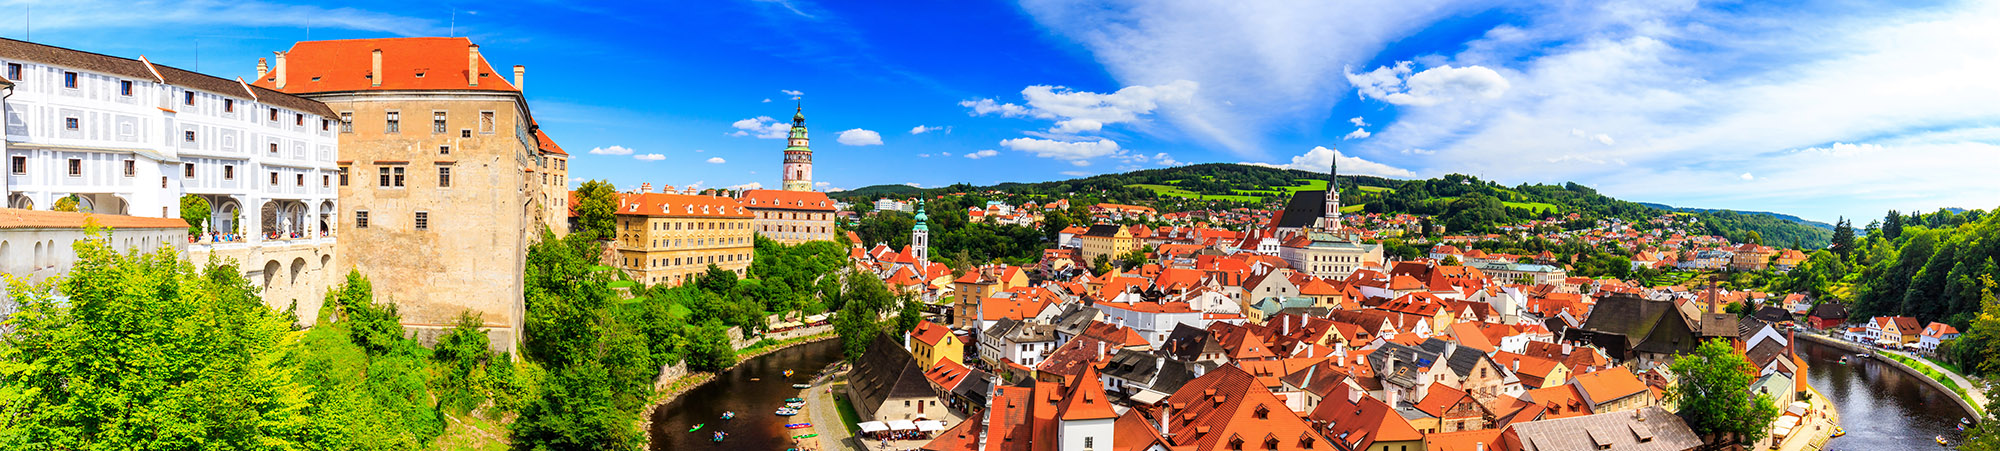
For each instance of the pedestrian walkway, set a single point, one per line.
(1975, 391)
(832, 429)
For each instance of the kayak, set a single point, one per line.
(719, 435)
(801, 386)
(788, 373)
(787, 412)
(793, 400)
(695, 428)
(1838, 431)
(805, 436)
(798, 425)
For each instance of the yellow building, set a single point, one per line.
(932, 342)
(672, 238)
(1106, 239)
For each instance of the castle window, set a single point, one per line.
(131, 167)
(423, 220)
(125, 87)
(69, 80)
(394, 122)
(347, 122)
(361, 219)
(437, 122)
(486, 122)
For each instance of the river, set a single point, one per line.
(753, 390)
(1881, 407)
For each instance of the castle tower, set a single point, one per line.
(1330, 221)
(920, 236)
(798, 156)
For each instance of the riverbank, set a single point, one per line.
(1968, 399)
(695, 380)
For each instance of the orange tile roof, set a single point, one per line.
(787, 200)
(548, 145)
(1226, 404)
(1609, 384)
(14, 218)
(930, 333)
(679, 205)
(1133, 432)
(408, 64)
(1086, 400)
(1480, 440)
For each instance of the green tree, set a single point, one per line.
(717, 280)
(1451, 260)
(597, 208)
(194, 210)
(144, 351)
(856, 327)
(462, 357)
(68, 203)
(1101, 265)
(1713, 394)
(1843, 237)
(1753, 237)
(908, 314)
(709, 349)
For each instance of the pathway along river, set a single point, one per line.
(1881, 407)
(754, 389)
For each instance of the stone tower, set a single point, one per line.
(798, 156)
(920, 236)
(1331, 219)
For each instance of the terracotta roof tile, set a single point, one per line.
(408, 64)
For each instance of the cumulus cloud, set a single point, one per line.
(913, 184)
(822, 184)
(762, 127)
(927, 129)
(1321, 158)
(716, 160)
(613, 150)
(791, 92)
(1075, 173)
(982, 154)
(1358, 122)
(1397, 85)
(767, 100)
(1076, 152)
(1165, 160)
(1079, 112)
(859, 137)
(1416, 151)
(746, 186)
(1357, 134)
(649, 157)
(1747, 176)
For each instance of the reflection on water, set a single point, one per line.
(755, 427)
(1882, 407)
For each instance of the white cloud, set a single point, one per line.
(1075, 173)
(920, 129)
(913, 184)
(1165, 160)
(923, 155)
(1076, 152)
(1321, 158)
(1902, 86)
(716, 160)
(693, 187)
(649, 157)
(1358, 122)
(746, 186)
(767, 100)
(1747, 176)
(613, 150)
(945, 153)
(762, 127)
(823, 184)
(982, 154)
(1433, 86)
(1356, 134)
(1079, 112)
(791, 92)
(859, 137)
(1260, 67)
(1416, 151)
(98, 15)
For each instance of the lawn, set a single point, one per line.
(1165, 190)
(1377, 189)
(1539, 207)
(847, 414)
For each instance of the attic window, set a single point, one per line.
(420, 74)
(315, 79)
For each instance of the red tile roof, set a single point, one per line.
(14, 218)
(1609, 384)
(548, 145)
(787, 200)
(1228, 404)
(1086, 400)
(680, 205)
(930, 333)
(408, 64)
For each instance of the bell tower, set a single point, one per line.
(1330, 221)
(920, 236)
(798, 155)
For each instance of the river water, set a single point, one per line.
(754, 389)
(1882, 408)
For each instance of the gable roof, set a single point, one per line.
(1646, 429)
(772, 199)
(886, 371)
(408, 64)
(142, 69)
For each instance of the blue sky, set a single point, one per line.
(1820, 109)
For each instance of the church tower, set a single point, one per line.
(920, 236)
(1330, 221)
(798, 156)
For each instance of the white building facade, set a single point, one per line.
(129, 137)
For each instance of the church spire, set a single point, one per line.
(1331, 220)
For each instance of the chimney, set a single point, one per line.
(1166, 413)
(262, 68)
(281, 70)
(1353, 395)
(1517, 365)
(472, 65)
(520, 71)
(374, 77)
(646, 187)
(1566, 348)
